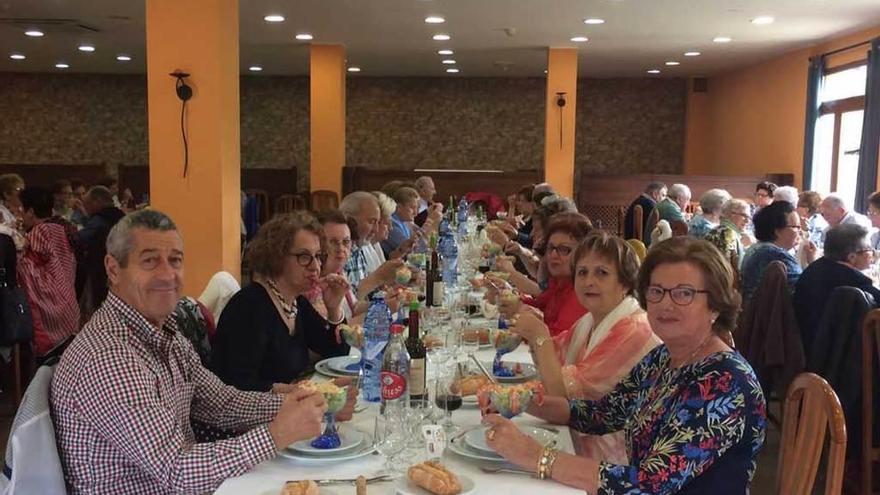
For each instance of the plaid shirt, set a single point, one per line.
(122, 399)
(356, 267)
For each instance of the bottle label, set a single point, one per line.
(438, 293)
(417, 377)
(393, 385)
(374, 350)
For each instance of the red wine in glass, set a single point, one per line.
(448, 402)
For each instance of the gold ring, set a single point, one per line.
(491, 434)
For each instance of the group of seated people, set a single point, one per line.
(630, 344)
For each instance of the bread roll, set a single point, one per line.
(435, 478)
(470, 384)
(307, 487)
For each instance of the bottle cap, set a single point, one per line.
(414, 305)
(396, 328)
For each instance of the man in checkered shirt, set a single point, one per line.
(126, 389)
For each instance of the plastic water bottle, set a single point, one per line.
(449, 252)
(376, 330)
(395, 373)
(462, 215)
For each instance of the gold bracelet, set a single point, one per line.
(545, 463)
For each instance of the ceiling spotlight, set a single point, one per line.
(434, 20)
(255, 68)
(61, 66)
(452, 71)
(594, 20)
(580, 39)
(449, 61)
(304, 37)
(692, 54)
(444, 52)
(86, 48)
(441, 37)
(763, 20)
(673, 63)
(722, 39)
(17, 56)
(354, 69)
(653, 71)
(274, 18)
(33, 33)
(123, 58)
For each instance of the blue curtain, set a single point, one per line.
(867, 177)
(814, 82)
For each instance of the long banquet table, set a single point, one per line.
(268, 477)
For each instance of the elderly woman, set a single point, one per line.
(692, 410)
(11, 186)
(730, 237)
(711, 203)
(812, 221)
(874, 214)
(778, 229)
(590, 358)
(269, 332)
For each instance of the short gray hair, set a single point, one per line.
(119, 240)
(735, 206)
(844, 240)
(835, 199)
(100, 194)
(353, 202)
(542, 187)
(713, 200)
(678, 191)
(423, 181)
(387, 206)
(786, 193)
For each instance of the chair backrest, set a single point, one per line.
(262, 198)
(638, 223)
(639, 248)
(287, 203)
(811, 407)
(679, 228)
(870, 352)
(324, 200)
(653, 218)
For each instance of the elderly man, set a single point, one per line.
(836, 212)
(654, 193)
(425, 187)
(674, 205)
(92, 278)
(127, 387)
(363, 208)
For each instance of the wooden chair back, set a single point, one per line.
(653, 218)
(324, 200)
(870, 352)
(679, 228)
(287, 203)
(262, 198)
(811, 407)
(639, 223)
(621, 221)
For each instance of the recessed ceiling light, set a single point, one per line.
(442, 37)
(449, 61)
(692, 54)
(672, 63)
(274, 18)
(654, 71)
(123, 58)
(763, 20)
(722, 39)
(594, 20)
(452, 71)
(255, 68)
(580, 39)
(434, 20)
(33, 33)
(445, 52)
(86, 48)
(304, 37)
(354, 69)
(61, 66)
(545, 71)
(17, 56)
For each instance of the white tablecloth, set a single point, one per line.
(268, 477)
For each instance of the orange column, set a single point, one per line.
(697, 133)
(327, 77)
(560, 122)
(206, 204)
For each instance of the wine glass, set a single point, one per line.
(390, 439)
(416, 413)
(448, 398)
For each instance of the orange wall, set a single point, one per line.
(752, 120)
(559, 143)
(327, 103)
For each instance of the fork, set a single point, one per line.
(494, 470)
(347, 481)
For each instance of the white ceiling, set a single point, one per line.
(389, 37)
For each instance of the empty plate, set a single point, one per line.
(476, 438)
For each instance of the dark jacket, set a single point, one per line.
(629, 229)
(7, 251)
(813, 291)
(91, 276)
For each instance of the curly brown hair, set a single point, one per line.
(723, 298)
(571, 223)
(615, 250)
(266, 253)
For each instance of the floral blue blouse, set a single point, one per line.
(692, 430)
(755, 261)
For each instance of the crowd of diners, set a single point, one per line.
(159, 393)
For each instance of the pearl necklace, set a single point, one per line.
(289, 310)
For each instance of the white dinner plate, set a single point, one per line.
(406, 487)
(322, 368)
(349, 437)
(366, 448)
(476, 438)
(324, 491)
(458, 446)
(527, 372)
(345, 365)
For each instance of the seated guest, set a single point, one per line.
(402, 227)
(363, 207)
(337, 238)
(874, 215)
(62, 192)
(675, 203)
(812, 222)
(848, 252)
(425, 187)
(125, 390)
(525, 207)
(218, 292)
(558, 302)
(92, 286)
(654, 193)
(47, 272)
(587, 360)
(375, 255)
(729, 237)
(786, 193)
(79, 215)
(678, 439)
(778, 230)
(763, 195)
(11, 186)
(837, 212)
(269, 332)
(711, 203)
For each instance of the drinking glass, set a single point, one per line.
(416, 414)
(448, 398)
(390, 439)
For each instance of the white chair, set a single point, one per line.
(218, 292)
(32, 461)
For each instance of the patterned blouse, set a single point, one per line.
(692, 430)
(728, 239)
(699, 226)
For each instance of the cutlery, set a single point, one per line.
(492, 470)
(483, 370)
(347, 481)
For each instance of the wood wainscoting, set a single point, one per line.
(447, 182)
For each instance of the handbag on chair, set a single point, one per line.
(16, 321)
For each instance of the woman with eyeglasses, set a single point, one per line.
(778, 230)
(692, 410)
(729, 236)
(269, 332)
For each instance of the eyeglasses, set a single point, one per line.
(338, 245)
(761, 194)
(794, 227)
(682, 296)
(562, 250)
(306, 259)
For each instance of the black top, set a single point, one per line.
(91, 276)
(7, 252)
(629, 229)
(813, 290)
(252, 348)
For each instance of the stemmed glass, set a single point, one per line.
(448, 397)
(390, 439)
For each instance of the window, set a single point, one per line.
(839, 131)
